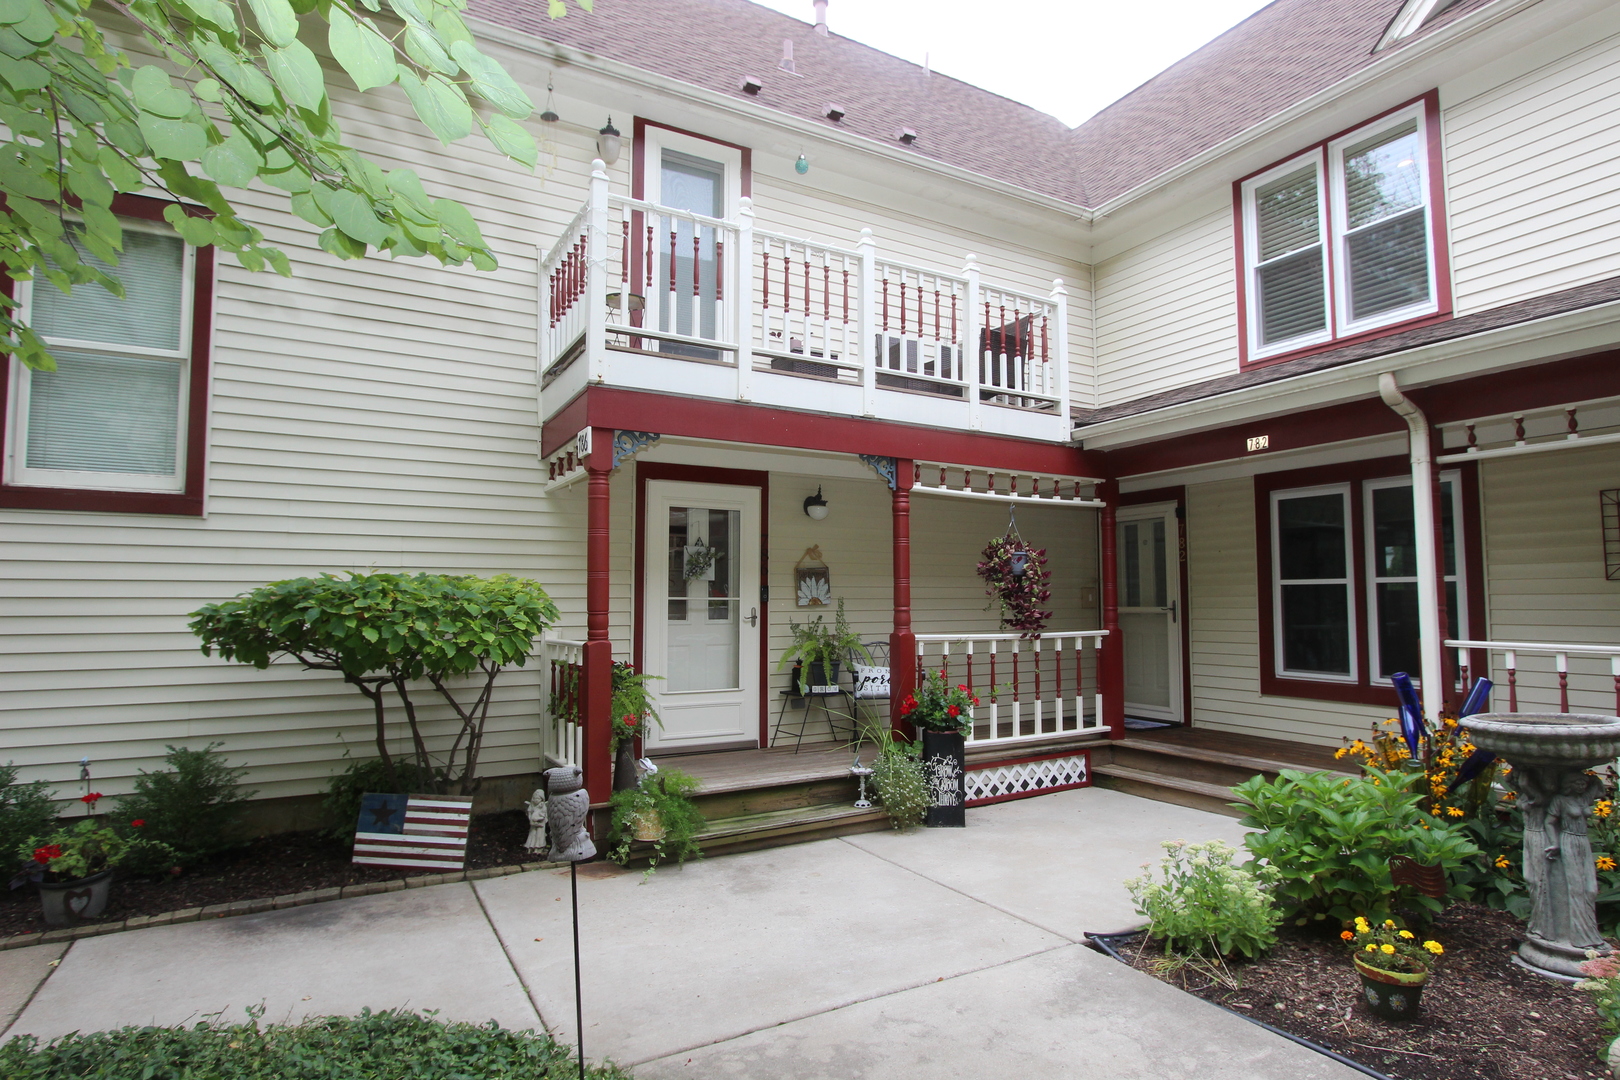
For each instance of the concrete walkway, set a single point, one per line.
(939, 953)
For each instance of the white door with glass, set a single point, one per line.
(701, 619)
(1148, 549)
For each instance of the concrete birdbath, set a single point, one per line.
(1550, 753)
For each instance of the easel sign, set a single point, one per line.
(812, 579)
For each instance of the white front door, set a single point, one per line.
(1148, 546)
(701, 620)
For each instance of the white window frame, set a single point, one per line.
(1460, 577)
(656, 140)
(19, 474)
(1345, 492)
(1338, 205)
(1251, 253)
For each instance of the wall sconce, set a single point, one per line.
(815, 507)
(608, 143)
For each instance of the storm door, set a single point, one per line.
(1148, 547)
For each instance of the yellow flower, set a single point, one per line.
(1361, 924)
(1406, 933)
(1372, 948)
(1603, 807)
(1387, 950)
(1454, 811)
(1502, 862)
(1604, 862)
(1389, 923)
(1339, 753)
(1434, 947)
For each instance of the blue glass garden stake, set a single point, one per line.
(1412, 726)
(1479, 699)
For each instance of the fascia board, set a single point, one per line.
(1568, 334)
(754, 114)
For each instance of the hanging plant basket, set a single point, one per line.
(1015, 575)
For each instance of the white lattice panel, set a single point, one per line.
(1027, 778)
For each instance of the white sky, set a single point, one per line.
(1069, 58)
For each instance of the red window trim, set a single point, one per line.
(188, 502)
(1366, 690)
(1438, 240)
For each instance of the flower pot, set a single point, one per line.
(69, 902)
(818, 682)
(625, 775)
(1391, 994)
(944, 760)
(648, 826)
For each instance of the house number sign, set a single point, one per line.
(1259, 442)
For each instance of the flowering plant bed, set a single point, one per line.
(269, 866)
(1482, 1019)
(936, 705)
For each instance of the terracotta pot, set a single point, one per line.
(69, 902)
(1394, 995)
(648, 826)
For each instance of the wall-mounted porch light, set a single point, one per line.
(608, 143)
(815, 506)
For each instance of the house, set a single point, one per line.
(1298, 362)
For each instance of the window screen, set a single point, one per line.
(1289, 274)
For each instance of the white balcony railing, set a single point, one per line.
(1546, 679)
(561, 733)
(1028, 688)
(652, 297)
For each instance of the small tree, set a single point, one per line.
(382, 631)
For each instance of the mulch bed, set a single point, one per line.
(1482, 1017)
(269, 866)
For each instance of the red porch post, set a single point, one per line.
(1111, 657)
(598, 680)
(902, 642)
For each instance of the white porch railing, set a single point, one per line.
(651, 297)
(1028, 688)
(1548, 680)
(561, 734)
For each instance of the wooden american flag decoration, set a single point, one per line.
(417, 832)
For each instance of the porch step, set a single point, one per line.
(771, 828)
(1164, 787)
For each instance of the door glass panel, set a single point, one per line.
(702, 635)
(1131, 564)
(1147, 658)
(1316, 629)
(690, 183)
(1159, 589)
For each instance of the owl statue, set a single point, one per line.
(567, 804)
(536, 809)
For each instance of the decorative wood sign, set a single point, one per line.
(812, 579)
(417, 832)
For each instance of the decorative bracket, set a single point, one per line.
(566, 467)
(883, 466)
(628, 444)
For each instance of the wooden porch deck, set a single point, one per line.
(742, 770)
(1231, 748)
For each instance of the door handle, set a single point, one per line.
(1172, 610)
(753, 616)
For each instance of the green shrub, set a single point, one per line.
(900, 781)
(1330, 838)
(1206, 903)
(372, 1046)
(666, 794)
(342, 802)
(192, 806)
(26, 810)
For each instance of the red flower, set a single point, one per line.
(961, 686)
(975, 701)
(630, 720)
(138, 822)
(90, 798)
(953, 711)
(47, 853)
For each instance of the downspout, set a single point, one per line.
(1431, 650)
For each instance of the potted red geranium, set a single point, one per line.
(944, 715)
(632, 705)
(73, 869)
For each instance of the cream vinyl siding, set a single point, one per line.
(1222, 597)
(1532, 174)
(1167, 312)
(1545, 570)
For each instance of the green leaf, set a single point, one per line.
(17, 179)
(368, 59)
(37, 24)
(352, 213)
(234, 162)
(512, 139)
(304, 205)
(492, 82)
(298, 75)
(337, 243)
(458, 222)
(212, 12)
(179, 140)
(425, 49)
(22, 74)
(197, 231)
(448, 25)
(246, 79)
(156, 95)
(277, 21)
(440, 105)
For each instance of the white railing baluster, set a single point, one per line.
(1038, 689)
(1539, 686)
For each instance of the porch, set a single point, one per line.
(655, 298)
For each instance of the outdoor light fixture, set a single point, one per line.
(608, 143)
(815, 506)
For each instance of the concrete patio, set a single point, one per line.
(939, 953)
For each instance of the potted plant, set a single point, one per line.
(660, 811)
(818, 652)
(73, 868)
(1015, 575)
(632, 710)
(1393, 966)
(944, 715)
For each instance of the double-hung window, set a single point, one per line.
(113, 426)
(1343, 239)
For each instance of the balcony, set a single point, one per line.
(648, 297)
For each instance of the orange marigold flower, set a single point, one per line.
(1347, 935)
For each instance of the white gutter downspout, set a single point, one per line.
(1430, 633)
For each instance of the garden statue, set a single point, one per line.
(567, 805)
(1550, 753)
(536, 810)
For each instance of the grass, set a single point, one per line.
(393, 1044)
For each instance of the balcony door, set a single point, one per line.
(701, 619)
(702, 177)
(1148, 546)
